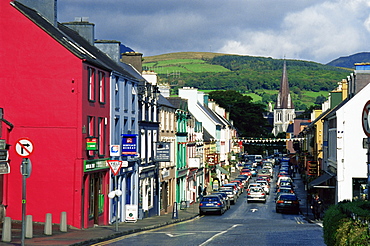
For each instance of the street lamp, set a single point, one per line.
(115, 194)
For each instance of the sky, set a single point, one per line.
(310, 30)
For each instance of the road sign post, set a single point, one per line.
(26, 172)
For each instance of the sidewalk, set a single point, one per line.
(97, 234)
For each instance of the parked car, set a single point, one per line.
(230, 193)
(236, 188)
(225, 197)
(256, 194)
(240, 184)
(287, 203)
(212, 203)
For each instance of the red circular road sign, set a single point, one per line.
(366, 119)
(24, 147)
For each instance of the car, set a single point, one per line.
(286, 178)
(254, 171)
(285, 190)
(253, 185)
(246, 172)
(240, 184)
(212, 203)
(230, 193)
(265, 185)
(256, 194)
(236, 187)
(244, 181)
(225, 197)
(287, 203)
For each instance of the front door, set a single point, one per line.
(95, 206)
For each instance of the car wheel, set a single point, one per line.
(201, 213)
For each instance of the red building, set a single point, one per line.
(54, 89)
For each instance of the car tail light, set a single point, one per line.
(279, 201)
(200, 204)
(249, 193)
(295, 202)
(219, 204)
(263, 194)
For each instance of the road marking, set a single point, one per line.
(254, 210)
(178, 234)
(299, 220)
(218, 234)
(142, 232)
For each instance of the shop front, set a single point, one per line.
(95, 188)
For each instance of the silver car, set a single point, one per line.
(256, 194)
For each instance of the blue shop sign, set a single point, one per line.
(129, 144)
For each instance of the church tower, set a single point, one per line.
(284, 113)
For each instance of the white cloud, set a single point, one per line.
(321, 33)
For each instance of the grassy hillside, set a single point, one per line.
(258, 77)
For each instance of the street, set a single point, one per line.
(244, 224)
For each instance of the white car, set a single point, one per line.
(265, 185)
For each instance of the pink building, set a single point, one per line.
(54, 89)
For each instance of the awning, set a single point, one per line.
(222, 170)
(316, 183)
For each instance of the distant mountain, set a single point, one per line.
(349, 61)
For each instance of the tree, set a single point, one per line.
(246, 115)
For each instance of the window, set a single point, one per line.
(91, 89)
(90, 131)
(116, 94)
(101, 87)
(101, 136)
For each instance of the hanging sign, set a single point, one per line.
(129, 144)
(92, 144)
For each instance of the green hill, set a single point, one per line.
(255, 76)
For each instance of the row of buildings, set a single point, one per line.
(333, 145)
(106, 141)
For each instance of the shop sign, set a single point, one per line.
(129, 144)
(2, 144)
(4, 155)
(93, 165)
(212, 159)
(92, 144)
(4, 167)
(163, 152)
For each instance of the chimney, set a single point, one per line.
(135, 59)
(83, 27)
(110, 47)
(47, 8)
(361, 76)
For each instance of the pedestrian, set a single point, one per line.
(205, 190)
(316, 206)
(200, 192)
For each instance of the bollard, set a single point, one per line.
(48, 225)
(7, 230)
(29, 226)
(63, 222)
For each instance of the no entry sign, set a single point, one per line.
(366, 119)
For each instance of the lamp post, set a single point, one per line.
(115, 194)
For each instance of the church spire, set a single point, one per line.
(284, 100)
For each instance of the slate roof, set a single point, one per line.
(76, 44)
(164, 102)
